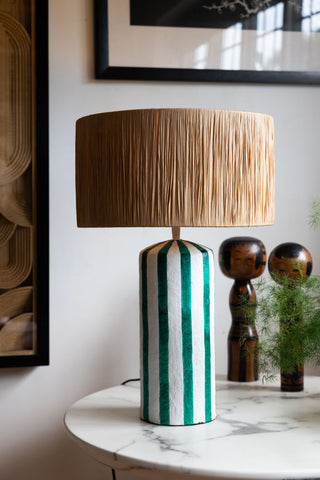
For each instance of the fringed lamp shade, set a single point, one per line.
(175, 167)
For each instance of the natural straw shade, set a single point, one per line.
(175, 167)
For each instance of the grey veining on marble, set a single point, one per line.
(259, 433)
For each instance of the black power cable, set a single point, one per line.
(130, 380)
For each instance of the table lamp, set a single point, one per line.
(175, 168)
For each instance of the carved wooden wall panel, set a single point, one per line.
(23, 183)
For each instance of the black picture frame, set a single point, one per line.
(103, 70)
(41, 264)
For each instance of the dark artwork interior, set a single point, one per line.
(210, 14)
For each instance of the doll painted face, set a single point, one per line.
(242, 258)
(291, 260)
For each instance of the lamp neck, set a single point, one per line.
(175, 233)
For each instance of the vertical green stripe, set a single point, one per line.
(186, 327)
(145, 331)
(207, 339)
(164, 403)
(145, 335)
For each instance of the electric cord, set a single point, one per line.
(130, 380)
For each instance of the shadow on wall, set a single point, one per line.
(51, 458)
(11, 375)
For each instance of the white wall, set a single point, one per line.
(94, 275)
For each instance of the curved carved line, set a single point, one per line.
(15, 84)
(17, 334)
(16, 259)
(16, 201)
(7, 229)
(16, 301)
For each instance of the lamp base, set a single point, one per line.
(176, 333)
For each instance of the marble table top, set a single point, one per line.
(259, 433)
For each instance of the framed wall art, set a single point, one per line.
(265, 41)
(24, 303)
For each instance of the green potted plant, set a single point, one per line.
(287, 318)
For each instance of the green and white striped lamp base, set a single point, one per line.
(176, 333)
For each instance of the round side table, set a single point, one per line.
(259, 433)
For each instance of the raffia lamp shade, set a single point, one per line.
(175, 167)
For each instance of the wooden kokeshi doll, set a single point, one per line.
(242, 258)
(293, 261)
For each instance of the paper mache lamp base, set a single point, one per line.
(177, 333)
